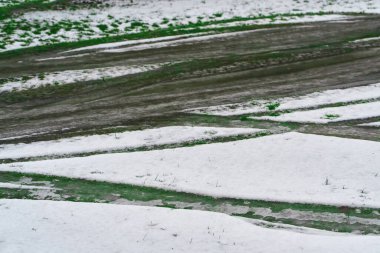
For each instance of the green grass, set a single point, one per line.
(273, 106)
(244, 118)
(331, 116)
(102, 192)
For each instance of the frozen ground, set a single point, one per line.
(40, 226)
(207, 76)
(124, 17)
(71, 76)
(290, 103)
(330, 114)
(123, 140)
(290, 167)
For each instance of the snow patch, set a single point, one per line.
(330, 114)
(46, 226)
(290, 103)
(123, 140)
(289, 167)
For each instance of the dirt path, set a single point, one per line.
(294, 60)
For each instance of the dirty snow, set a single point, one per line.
(367, 39)
(20, 186)
(290, 103)
(372, 124)
(330, 114)
(62, 57)
(131, 42)
(177, 42)
(289, 167)
(72, 76)
(46, 226)
(123, 140)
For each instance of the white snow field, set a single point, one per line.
(290, 167)
(72, 76)
(124, 17)
(123, 140)
(330, 114)
(61, 227)
(290, 103)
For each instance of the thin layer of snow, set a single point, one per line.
(115, 141)
(372, 124)
(290, 103)
(20, 186)
(329, 114)
(177, 42)
(289, 167)
(314, 216)
(62, 57)
(72, 76)
(132, 42)
(366, 39)
(160, 14)
(31, 135)
(237, 23)
(47, 226)
(154, 12)
(283, 20)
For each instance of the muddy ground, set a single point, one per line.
(268, 63)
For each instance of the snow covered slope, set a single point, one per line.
(62, 227)
(290, 167)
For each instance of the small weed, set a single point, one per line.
(41, 76)
(102, 27)
(218, 14)
(274, 114)
(244, 118)
(273, 106)
(331, 116)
